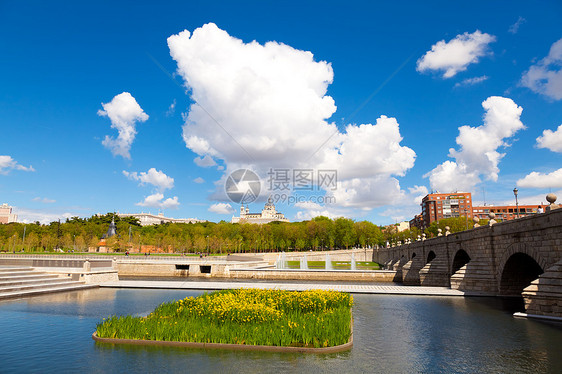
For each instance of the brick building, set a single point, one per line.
(436, 206)
(507, 212)
(417, 221)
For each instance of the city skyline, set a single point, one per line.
(109, 108)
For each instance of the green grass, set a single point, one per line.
(253, 317)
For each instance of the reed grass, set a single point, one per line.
(246, 316)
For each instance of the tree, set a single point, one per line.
(455, 224)
(32, 241)
(93, 243)
(345, 232)
(80, 243)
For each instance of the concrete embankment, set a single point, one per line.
(252, 266)
(98, 269)
(314, 275)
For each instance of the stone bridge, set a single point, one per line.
(522, 257)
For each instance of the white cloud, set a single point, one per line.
(366, 193)
(418, 192)
(172, 109)
(7, 163)
(123, 112)
(265, 106)
(471, 81)
(478, 154)
(154, 177)
(44, 200)
(399, 214)
(204, 162)
(311, 209)
(456, 54)
(44, 217)
(199, 180)
(369, 151)
(156, 201)
(515, 27)
(545, 77)
(551, 140)
(221, 208)
(540, 180)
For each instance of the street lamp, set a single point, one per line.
(23, 241)
(515, 191)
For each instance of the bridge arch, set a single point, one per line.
(430, 256)
(461, 258)
(518, 268)
(518, 272)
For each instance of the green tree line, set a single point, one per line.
(79, 234)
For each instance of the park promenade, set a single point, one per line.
(358, 288)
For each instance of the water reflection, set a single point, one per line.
(392, 334)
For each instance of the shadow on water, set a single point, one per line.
(508, 305)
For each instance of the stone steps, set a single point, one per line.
(9, 269)
(23, 282)
(20, 273)
(20, 282)
(475, 277)
(435, 273)
(27, 276)
(544, 295)
(411, 272)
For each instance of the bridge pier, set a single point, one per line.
(397, 267)
(411, 271)
(476, 277)
(544, 295)
(436, 273)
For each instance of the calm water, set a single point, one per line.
(393, 334)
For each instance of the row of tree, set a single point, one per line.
(80, 234)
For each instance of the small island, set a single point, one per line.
(254, 319)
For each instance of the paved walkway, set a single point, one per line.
(351, 288)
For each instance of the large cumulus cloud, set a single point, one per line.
(266, 106)
(478, 155)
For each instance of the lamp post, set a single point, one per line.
(515, 191)
(23, 241)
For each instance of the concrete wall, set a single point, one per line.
(361, 254)
(180, 267)
(315, 275)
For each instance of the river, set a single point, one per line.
(392, 334)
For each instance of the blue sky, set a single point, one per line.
(426, 69)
